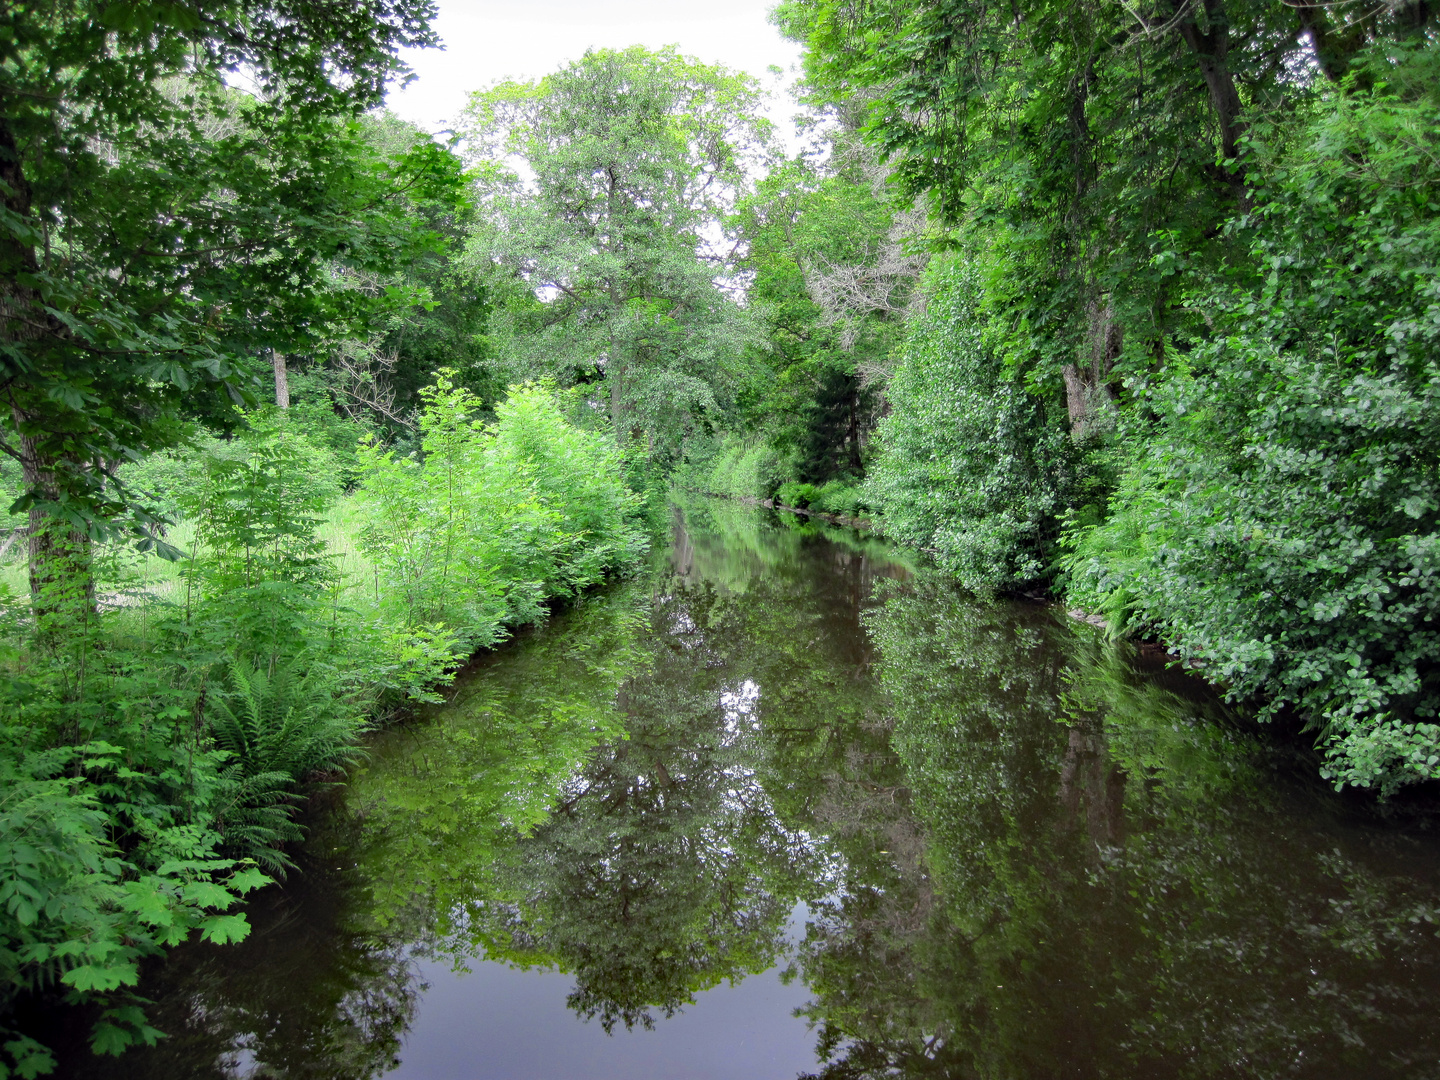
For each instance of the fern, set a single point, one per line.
(256, 817)
(284, 722)
(279, 727)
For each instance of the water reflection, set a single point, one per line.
(666, 866)
(1016, 854)
(316, 990)
(1125, 888)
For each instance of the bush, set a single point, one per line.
(79, 909)
(576, 475)
(794, 493)
(494, 521)
(283, 720)
(1282, 527)
(258, 577)
(171, 479)
(839, 497)
(968, 465)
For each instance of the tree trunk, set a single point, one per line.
(617, 399)
(615, 377)
(1087, 393)
(282, 379)
(62, 587)
(62, 579)
(1212, 53)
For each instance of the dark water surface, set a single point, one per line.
(788, 805)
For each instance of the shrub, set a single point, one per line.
(494, 521)
(839, 497)
(256, 505)
(968, 465)
(794, 493)
(78, 911)
(283, 721)
(1282, 526)
(575, 474)
(258, 574)
(172, 479)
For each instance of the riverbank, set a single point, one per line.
(773, 504)
(1286, 727)
(155, 752)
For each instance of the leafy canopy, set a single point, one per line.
(607, 186)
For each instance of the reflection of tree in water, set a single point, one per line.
(1121, 888)
(668, 865)
(1025, 860)
(314, 991)
(665, 868)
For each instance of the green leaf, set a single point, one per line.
(89, 978)
(224, 929)
(147, 903)
(208, 894)
(110, 1039)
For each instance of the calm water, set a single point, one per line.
(789, 806)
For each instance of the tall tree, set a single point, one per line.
(161, 232)
(609, 183)
(834, 272)
(1073, 143)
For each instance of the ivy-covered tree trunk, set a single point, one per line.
(1087, 390)
(62, 580)
(61, 583)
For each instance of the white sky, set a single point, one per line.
(488, 40)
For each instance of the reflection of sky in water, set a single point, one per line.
(740, 711)
(499, 1023)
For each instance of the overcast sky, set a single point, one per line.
(486, 40)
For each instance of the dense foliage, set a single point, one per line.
(1288, 496)
(1188, 379)
(1137, 305)
(974, 473)
(161, 230)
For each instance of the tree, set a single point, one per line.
(1069, 144)
(162, 232)
(631, 162)
(442, 317)
(833, 277)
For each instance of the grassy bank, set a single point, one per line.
(162, 718)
